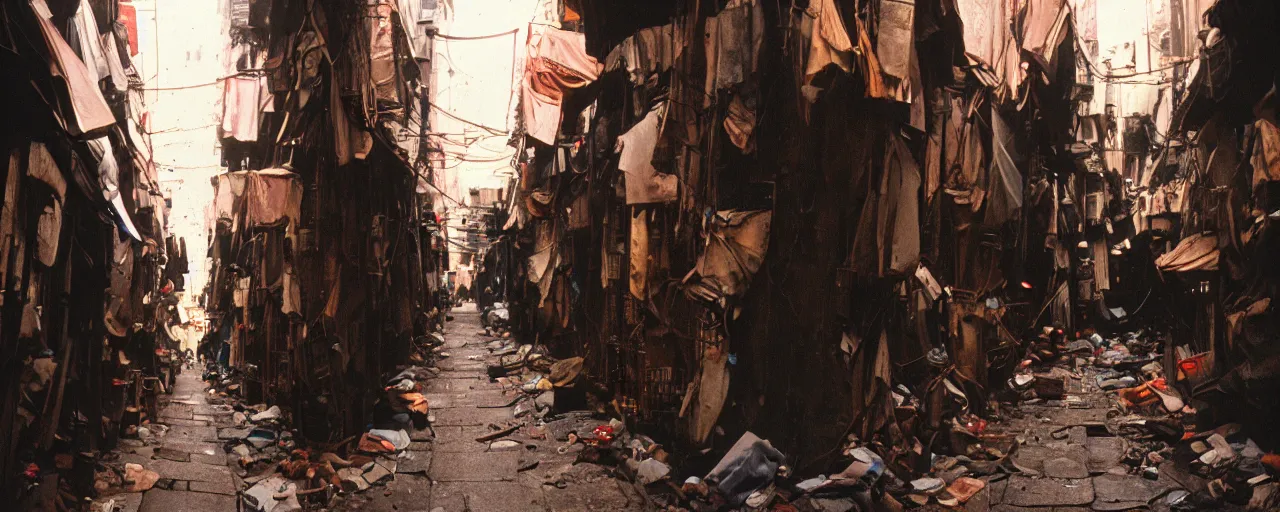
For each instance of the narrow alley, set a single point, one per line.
(183, 450)
(444, 468)
(624, 255)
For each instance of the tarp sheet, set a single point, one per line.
(265, 196)
(1196, 252)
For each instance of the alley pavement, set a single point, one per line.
(518, 472)
(445, 468)
(187, 454)
(1070, 455)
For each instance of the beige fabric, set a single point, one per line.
(1044, 28)
(1196, 252)
(1101, 265)
(8, 214)
(84, 108)
(1006, 181)
(382, 67)
(1266, 155)
(903, 178)
(291, 297)
(740, 124)
(639, 254)
(41, 166)
(651, 50)
(49, 233)
(545, 259)
(643, 182)
(830, 42)
(933, 146)
(980, 27)
(735, 250)
(265, 196)
(118, 315)
(558, 61)
(342, 127)
(988, 40)
(712, 391)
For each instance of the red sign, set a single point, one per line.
(129, 18)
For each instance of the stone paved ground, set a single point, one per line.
(445, 473)
(193, 470)
(455, 473)
(1070, 462)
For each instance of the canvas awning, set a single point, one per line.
(265, 197)
(1196, 252)
(83, 108)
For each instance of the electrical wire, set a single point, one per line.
(463, 158)
(449, 37)
(175, 130)
(1109, 77)
(424, 179)
(247, 72)
(446, 112)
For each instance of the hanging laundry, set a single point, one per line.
(736, 245)
(265, 197)
(241, 102)
(895, 41)
(84, 34)
(558, 61)
(830, 42)
(83, 108)
(740, 122)
(1266, 153)
(1196, 252)
(981, 26)
(733, 39)
(871, 64)
(545, 259)
(382, 55)
(1044, 28)
(649, 51)
(902, 178)
(1006, 182)
(639, 254)
(643, 182)
(49, 225)
(712, 389)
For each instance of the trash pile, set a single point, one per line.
(1168, 435)
(864, 475)
(557, 402)
(113, 477)
(427, 349)
(496, 320)
(285, 474)
(944, 444)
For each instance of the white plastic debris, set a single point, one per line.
(270, 414)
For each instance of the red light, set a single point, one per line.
(1026, 285)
